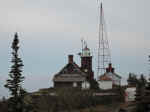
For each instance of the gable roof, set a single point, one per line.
(113, 74)
(71, 68)
(104, 78)
(70, 72)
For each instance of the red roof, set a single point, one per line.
(105, 78)
(86, 48)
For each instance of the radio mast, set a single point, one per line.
(104, 56)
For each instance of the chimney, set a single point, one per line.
(70, 58)
(107, 70)
(110, 65)
(113, 70)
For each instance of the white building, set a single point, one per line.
(109, 79)
(130, 94)
(105, 82)
(116, 79)
(85, 85)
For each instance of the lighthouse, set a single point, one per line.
(86, 63)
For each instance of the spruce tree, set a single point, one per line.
(15, 79)
(140, 92)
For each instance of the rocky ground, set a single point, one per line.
(103, 108)
(116, 107)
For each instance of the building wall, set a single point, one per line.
(105, 84)
(67, 84)
(116, 80)
(86, 63)
(85, 85)
(86, 66)
(130, 94)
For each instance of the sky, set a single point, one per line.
(49, 30)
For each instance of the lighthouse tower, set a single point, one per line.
(86, 63)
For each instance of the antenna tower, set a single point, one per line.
(104, 56)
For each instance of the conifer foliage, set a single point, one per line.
(140, 94)
(15, 79)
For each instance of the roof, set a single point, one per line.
(117, 75)
(70, 73)
(111, 71)
(105, 78)
(86, 48)
(113, 74)
(69, 78)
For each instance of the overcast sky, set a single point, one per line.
(49, 30)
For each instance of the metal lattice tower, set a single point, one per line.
(104, 56)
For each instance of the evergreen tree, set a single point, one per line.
(140, 92)
(143, 80)
(132, 79)
(15, 79)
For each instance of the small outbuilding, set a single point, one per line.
(105, 82)
(130, 93)
(109, 79)
(70, 76)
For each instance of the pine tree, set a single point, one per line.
(140, 92)
(143, 80)
(132, 80)
(15, 79)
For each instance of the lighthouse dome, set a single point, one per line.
(86, 52)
